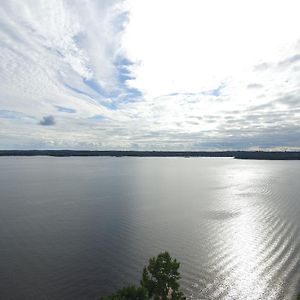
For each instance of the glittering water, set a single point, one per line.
(78, 228)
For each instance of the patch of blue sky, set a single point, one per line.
(122, 64)
(65, 109)
(96, 88)
(215, 92)
(75, 89)
(94, 85)
(97, 118)
(8, 114)
(130, 94)
(122, 93)
(15, 116)
(120, 21)
(79, 39)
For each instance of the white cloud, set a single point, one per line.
(190, 46)
(213, 74)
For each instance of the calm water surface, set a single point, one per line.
(78, 228)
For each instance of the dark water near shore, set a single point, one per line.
(78, 228)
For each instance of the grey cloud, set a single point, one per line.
(289, 61)
(47, 121)
(262, 67)
(267, 106)
(259, 137)
(232, 112)
(192, 123)
(254, 86)
(196, 117)
(292, 100)
(277, 118)
(227, 138)
(211, 117)
(283, 63)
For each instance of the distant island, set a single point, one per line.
(263, 155)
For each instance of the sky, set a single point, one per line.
(150, 74)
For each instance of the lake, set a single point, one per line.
(81, 227)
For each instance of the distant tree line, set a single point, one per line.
(268, 155)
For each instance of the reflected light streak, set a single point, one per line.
(245, 237)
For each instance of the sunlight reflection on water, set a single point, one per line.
(255, 243)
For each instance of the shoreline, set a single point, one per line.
(257, 155)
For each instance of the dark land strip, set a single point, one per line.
(265, 155)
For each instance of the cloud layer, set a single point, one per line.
(149, 75)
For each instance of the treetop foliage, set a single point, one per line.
(159, 282)
(161, 277)
(130, 292)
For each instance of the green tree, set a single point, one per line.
(161, 278)
(128, 293)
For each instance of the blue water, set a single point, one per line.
(78, 228)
